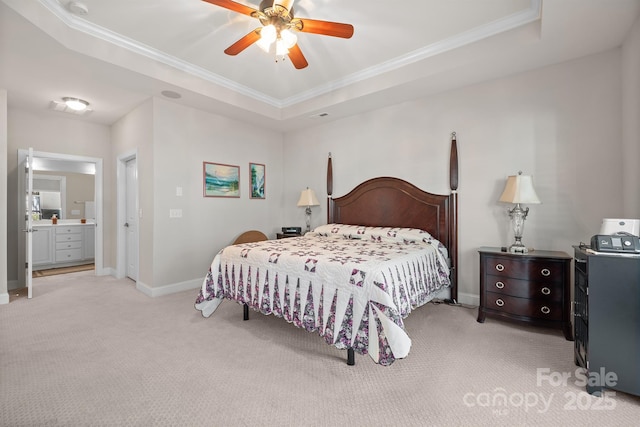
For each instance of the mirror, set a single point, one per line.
(48, 193)
(68, 195)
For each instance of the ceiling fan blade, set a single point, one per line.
(297, 58)
(326, 28)
(243, 43)
(232, 5)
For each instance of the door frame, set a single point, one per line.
(98, 195)
(121, 202)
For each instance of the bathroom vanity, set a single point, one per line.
(64, 244)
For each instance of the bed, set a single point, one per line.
(388, 248)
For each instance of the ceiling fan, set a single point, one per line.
(279, 28)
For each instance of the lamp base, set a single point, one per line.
(518, 215)
(308, 218)
(518, 249)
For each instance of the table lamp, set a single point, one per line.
(519, 189)
(307, 199)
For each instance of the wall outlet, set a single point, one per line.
(175, 213)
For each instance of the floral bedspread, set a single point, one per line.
(352, 285)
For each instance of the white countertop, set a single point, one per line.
(47, 222)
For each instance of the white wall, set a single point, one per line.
(4, 296)
(561, 124)
(134, 134)
(177, 252)
(631, 122)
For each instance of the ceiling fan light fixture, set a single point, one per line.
(289, 38)
(263, 45)
(283, 3)
(282, 8)
(76, 104)
(281, 48)
(268, 34)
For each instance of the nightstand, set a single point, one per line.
(531, 288)
(285, 235)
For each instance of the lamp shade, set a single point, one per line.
(308, 198)
(519, 189)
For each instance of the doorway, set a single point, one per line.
(128, 217)
(59, 163)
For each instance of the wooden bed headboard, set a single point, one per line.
(393, 202)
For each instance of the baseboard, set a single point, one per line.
(145, 289)
(468, 299)
(12, 284)
(169, 289)
(106, 271)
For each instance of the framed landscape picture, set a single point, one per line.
(257, 179)
(220, 180)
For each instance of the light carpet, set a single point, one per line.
(93, 351)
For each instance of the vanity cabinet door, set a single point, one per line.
(89, 242)
(42, 246)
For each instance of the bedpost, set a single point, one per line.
(453, 216)
(329, 191)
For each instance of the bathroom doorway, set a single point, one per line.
(83, 207)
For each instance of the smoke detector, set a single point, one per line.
(77, 8)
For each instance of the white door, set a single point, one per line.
(131, 224)
(28, 176)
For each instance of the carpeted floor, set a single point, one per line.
(89, 350)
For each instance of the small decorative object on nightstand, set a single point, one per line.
(531, 288)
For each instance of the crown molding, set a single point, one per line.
(531, 14)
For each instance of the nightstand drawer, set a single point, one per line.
(528, 269)
(548, 310)
(529, 288)
(542, 290)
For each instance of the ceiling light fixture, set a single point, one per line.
(276, 21)
(76, 104)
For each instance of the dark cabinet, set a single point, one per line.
(607, 320)
(531, 288)
(285, 235)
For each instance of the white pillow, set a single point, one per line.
(393, 234)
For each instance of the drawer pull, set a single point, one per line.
(499, 302)
(545, 309)
(500, 267)
(545, 272)
(499, 285)
(546, 290)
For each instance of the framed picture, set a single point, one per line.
(257, 180)
(220, 180)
